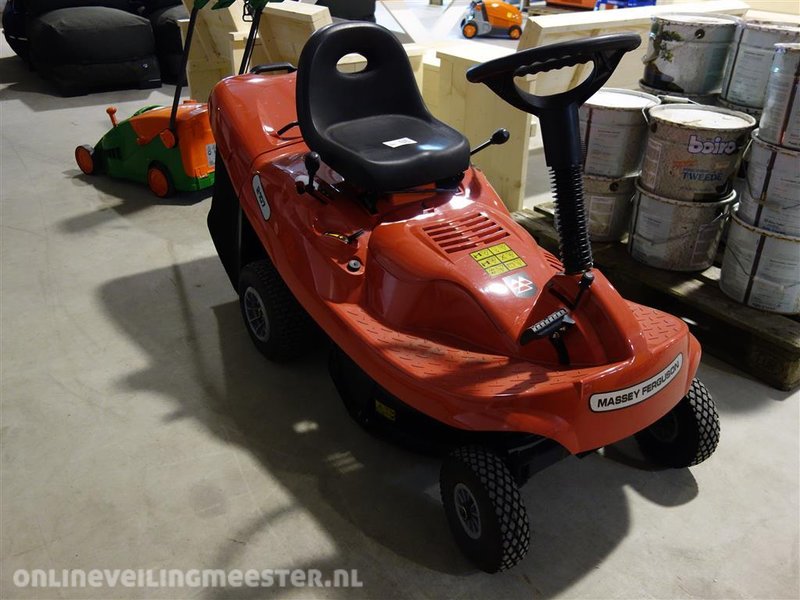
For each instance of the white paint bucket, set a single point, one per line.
(761, 269)
(771, 199)
(780, 121)
(749, 110)
(675, 235)
(750, 58)
(693, 151)
(613, 131)
(608, 204)
(686, 53)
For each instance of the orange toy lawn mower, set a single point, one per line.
(492, 18)
(340, 199)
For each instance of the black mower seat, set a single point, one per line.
(372, 126)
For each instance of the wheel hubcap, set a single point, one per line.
(256, 314)
(665, 430)
(85, 161)
(467, 511)
(158, 182)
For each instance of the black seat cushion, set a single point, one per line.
(36, 8)
(89, 34)
(438, 151)
(90, 48)
(372, 126)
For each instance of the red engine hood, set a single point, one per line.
(462, 268)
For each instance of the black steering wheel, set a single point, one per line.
(604, 51)
(559, 122)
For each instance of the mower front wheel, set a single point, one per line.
(687, 435)
(84, 156)
(484, 509)
(278, 326)
(515, 32)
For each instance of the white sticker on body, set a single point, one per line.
(211, 154)
(261, 197)
(404, 141)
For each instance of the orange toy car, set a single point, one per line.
(492, 18)
(340, 199)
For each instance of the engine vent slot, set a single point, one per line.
(465, 233)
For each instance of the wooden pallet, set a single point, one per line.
(762, 344)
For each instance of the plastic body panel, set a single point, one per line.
(429, 315)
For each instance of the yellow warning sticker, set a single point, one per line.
(498, 259)
(496, 270)
(507, 256)
(517, 263)
(481, 254)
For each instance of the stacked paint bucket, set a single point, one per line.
(748, 67)
(761, 267)
(686, 55)
(613, 132)
(685, 192)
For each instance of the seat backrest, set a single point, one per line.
(327, 96)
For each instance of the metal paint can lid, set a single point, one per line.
(788, 29)
(750, 110)
(614, 98)
(703, 117)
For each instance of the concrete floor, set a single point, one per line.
(140, 429)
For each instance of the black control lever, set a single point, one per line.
(498, 138)
(554, 327)
(313, 162)
(559, 320)
(559, 122)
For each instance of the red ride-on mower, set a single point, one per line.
(339, 198)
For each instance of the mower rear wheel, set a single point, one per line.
(278, 326)
(159, 181)
(515, 32)
(84, 156)
(687, 435)
(470, 30)
(484, 509)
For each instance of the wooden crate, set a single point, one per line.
(762, 344)
(285, 27)
(476, 111)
